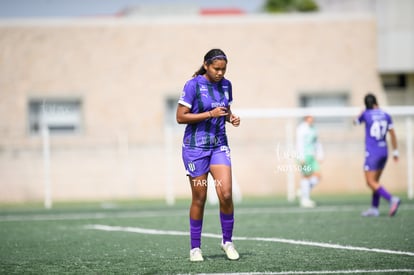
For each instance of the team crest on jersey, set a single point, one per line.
(191, 166)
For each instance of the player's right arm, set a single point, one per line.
(394, 143)
(393, 137)
(358, 120)
(185, 116)
(185, 103)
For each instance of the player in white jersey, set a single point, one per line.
(309, 152)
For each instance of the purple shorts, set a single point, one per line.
(375, 162)
(197, 161)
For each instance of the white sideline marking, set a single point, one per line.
(216, 236)
(92, 216)
(356, 271)
(177, 213)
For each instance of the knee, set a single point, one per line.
(199, 200)
(227, 198)
(370, 181)
(317, 176)
(372, 184)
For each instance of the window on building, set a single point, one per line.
(394, 81)
(315, 100)
(170, 112)
(62, 116)
(170, 108)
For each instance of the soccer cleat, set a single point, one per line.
(307, 203)
(394, 204)
(196, 255)
(230, 250)
(371, 212)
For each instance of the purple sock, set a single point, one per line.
(195, 232)
(384, 193)
(227, 222)
(375, 199)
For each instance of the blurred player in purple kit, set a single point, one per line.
(377, 124)
(205, 107)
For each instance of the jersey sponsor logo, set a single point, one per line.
(218, 104)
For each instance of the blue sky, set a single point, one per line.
(80, 8)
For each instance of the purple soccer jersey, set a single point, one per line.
(201, 95)
(377, 124)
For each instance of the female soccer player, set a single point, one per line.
(309, 152)
(205, 107)
(377, 124)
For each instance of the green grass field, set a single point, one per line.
(271, 235)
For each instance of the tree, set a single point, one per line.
(275, 6)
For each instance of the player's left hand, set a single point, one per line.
(395, 155)
(234, 120)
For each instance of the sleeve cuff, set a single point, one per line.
(182, 102)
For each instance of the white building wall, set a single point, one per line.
(123, 71)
